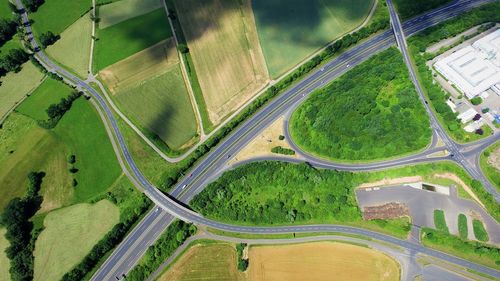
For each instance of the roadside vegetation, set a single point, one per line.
(128, 37)
(371, 112)
(174, 236)
(440, 221)
(419, 43)
(479, 231)
(477, 252)
(490, 156)
(463, 231)
(407, 9)
(284, 28)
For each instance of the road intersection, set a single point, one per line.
(156, 221)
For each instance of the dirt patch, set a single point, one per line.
(387, 211)
(226, 52)
(141, 66)
(392, 181)
(494, 159)
(262, 144)
(459, 181)
(320, 261)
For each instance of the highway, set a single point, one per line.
(219, 156)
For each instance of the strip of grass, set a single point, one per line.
(371, 112)
(57, 15)
(479, 231)
(73, 49)
(69, 235)
(162, 106)
(472, 251)
(4, 261)
(128, 37)
(407, 9)
(49, 92)
(284, 28)
(463, 230)
(440, 221)
(15, 86)
(492, 173)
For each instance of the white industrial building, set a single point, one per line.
(474, 69)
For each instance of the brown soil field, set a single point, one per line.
(140, 66)
(206, 262)
(320, 261)
(222, 38)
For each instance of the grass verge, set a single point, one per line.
(486, 161)
(440, 221)
(479, 231)
(463, 231)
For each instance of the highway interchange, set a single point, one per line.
(132, 248)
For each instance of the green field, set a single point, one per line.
(69, 234)
(117, 12)
(491, 172)
(129, 37)
(49, 92)
(408, 9)
(14, 43)
(15, 86)
(463, 230)
(57, 15)
(5, 11)
(371, 112)
(4, 261)
(440, 221)
(479, 231)
(292, 30)
(73, 49)
(162, 106)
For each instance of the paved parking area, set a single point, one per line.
(422, 203)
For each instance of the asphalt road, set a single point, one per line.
(215, 160)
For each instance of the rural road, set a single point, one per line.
(244, 133)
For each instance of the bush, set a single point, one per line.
(183, 48)
(282, 150)
(242, 262)
(281, 137)
(476, 100)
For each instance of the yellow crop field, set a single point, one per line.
(320, 261)
(116, 12)
(224, 45)
(140, 66)
(215, 262)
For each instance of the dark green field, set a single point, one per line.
(124, 39)
(371, 112)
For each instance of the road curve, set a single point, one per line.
(241, 136)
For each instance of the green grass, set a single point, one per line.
(477, 252)
(162, 106)
(83, 132)
(4, 261)
(73, 49)
(407, 9)
(463, 230)
(5, 11)
(128, 37)
(69, 234)
(372, 112)
(117, 12)
(440, 221)
(49, 92)
(49, 17)
(285, 27)
(479, 231)
(491, 172)
(15, 86)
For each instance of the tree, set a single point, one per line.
(72, 159)
(48, 38)
(7, 30)
(183, 48)
(32, 5)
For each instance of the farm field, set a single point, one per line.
(371, 112)
(15, 86)
(116, 12)
(73, 49)
(126, 38)
(69, 234)
(225, 49)
(320, 261)
(284, 28)
(162, 106)
(206, 261)
(4, 261)
(490, 164)
(49, 92)
(48, 17)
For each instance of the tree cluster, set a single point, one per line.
(370, 112)
(169, 241)
(48, 38)
(16, 219)
(13, 61)
(7, 30)
(242, 262)
(57, 111)
(32, 5)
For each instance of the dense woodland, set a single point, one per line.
(371, 112)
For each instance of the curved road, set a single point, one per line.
(243, 134)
